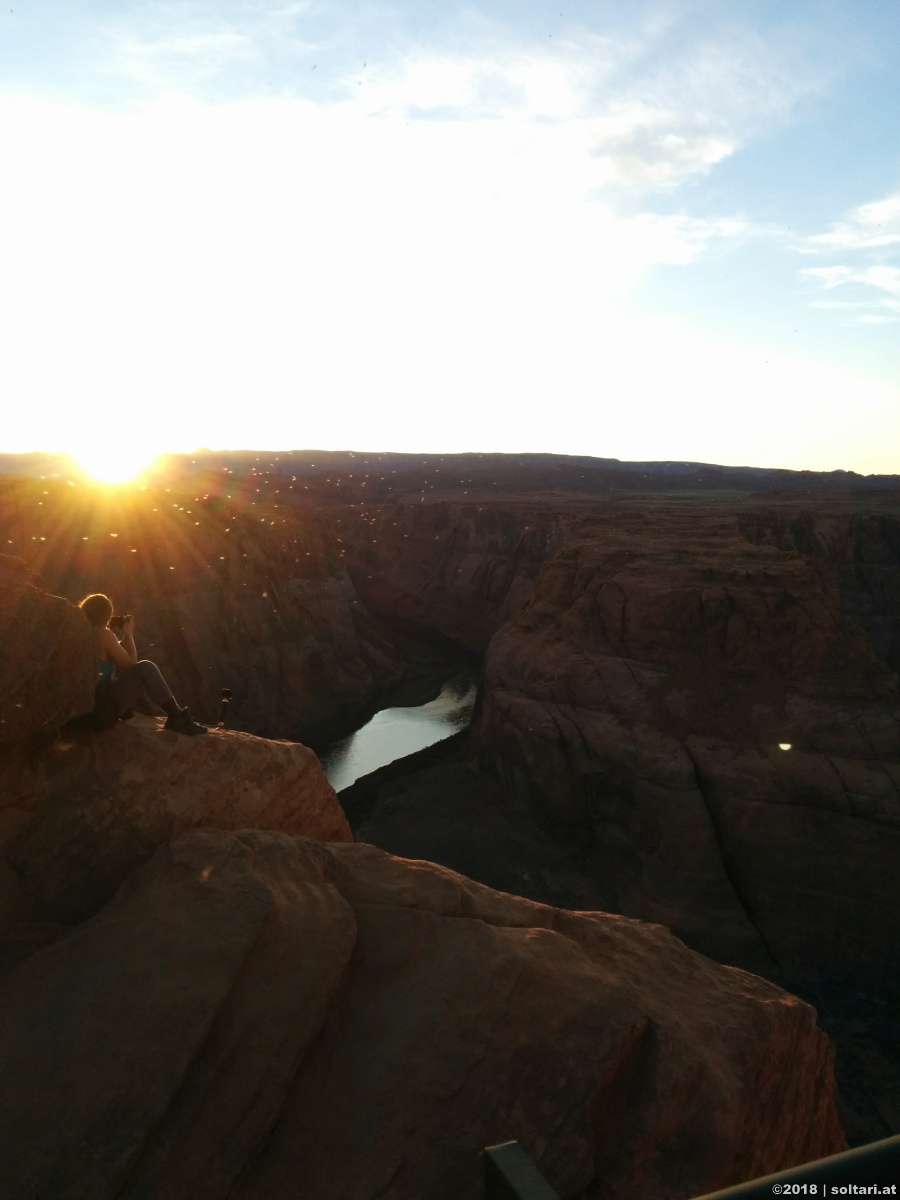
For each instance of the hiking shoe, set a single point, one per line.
(183, 722)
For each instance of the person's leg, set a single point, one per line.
(146, 679)
(133, 683)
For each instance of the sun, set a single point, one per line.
(115, 464)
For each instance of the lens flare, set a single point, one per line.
(114, 464)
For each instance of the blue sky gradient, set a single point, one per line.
(660, 230)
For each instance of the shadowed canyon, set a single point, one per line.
(611, 919)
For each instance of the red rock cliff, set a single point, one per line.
(290, 1015)
(226, 593)
(80, 812)
(646, 657)
(254, 1008)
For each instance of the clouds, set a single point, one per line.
(161, 62)
(491, 158)
(397, 228)
(657, 101)
(868, 227)
(649, 110)
(870, 289)
(612, 119)
(683, 109)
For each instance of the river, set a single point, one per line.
(395, 732)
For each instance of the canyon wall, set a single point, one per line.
(80, 811)
(194, 1011)
(646, 661)
(231, 593)
(638, 688)
(287, 1017)
(857, 554)
(455, 568)
(641, 700)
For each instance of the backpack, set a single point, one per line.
(105, 712)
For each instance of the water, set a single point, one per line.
(395, 732)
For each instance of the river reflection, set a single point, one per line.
(395, 732)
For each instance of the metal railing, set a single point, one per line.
(509, 1174)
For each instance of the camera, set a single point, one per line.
(116, 622)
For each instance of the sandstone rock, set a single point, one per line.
(634, 705)
(46, 661)
(256, 1016)
(811, 843)
(713, 636)
(634, 708)
(78, 819)
(460, 569)
(641, 697)
(856, 549)
(225, 594)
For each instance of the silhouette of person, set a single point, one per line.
(123, 680)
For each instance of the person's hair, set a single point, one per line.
(97, 608)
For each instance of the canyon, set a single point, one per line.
(646, 659)
(688, 716)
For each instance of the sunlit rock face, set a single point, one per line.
(645, 660)
(286, 1015)
(646, 657)
(79, 817)
(47, 670)
(80, 811)
(235, 594)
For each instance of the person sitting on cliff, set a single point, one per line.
(122, 680)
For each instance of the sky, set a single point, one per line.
(647, 231)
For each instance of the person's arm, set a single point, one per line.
(124, 653)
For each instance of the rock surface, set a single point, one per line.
(77, 819)
(79, 812)
(226, 592)
(640, 701)
(256, 1015)
(645, 656)
(46, 661)
(461, 569)
(646, 659)
(857, 553)
(630, 723)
